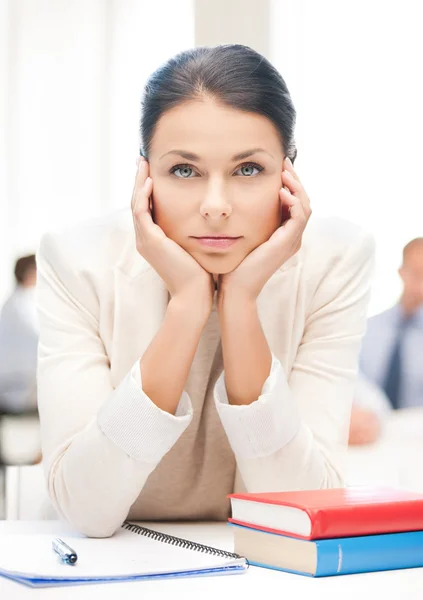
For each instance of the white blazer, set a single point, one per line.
(100, 305)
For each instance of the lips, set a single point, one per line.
(217, 242)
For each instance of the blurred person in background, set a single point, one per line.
(369, 411)
(19, 341)
(391, 376)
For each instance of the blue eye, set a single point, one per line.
(185, 170)
(247, 170)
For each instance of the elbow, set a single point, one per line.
(80, 510)
(93, 530)
(85, 520)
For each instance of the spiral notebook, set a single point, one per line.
(134, 553)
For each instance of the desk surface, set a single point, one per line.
(254, 584)
(395, 459)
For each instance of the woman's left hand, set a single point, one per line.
(257, 267)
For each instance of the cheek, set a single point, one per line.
(266, 212)
(169, 207)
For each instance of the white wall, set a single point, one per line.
(354, 71)
(71, 76)
(5, 241)
(233, 22)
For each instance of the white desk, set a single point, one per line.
(395, 459)
(255, 584)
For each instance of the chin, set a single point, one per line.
(219, 265)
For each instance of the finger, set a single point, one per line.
(142, 200)
(290, 233)
(296, 188)
(297, 214)
(139, 158)
(140, 178)
(298, 217)
(285, 241)
(143, 221)
(293, 184)
(288, 199)
(288, 166)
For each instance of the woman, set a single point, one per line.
(175, 368)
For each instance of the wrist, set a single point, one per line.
(231, 297)
(191, 308)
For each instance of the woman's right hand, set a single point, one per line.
(184, 277)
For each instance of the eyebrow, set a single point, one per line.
(195, 157)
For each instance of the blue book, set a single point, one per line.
(336, 556)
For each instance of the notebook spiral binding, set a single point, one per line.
(177, 541)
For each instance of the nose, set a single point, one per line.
(215, 205)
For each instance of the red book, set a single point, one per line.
(330, 513)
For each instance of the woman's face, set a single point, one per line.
(216, 172)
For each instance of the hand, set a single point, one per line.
(183, 275)
(257, 267)
(364, 426)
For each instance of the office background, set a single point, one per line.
(71, 75)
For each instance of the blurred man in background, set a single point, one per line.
(19, 341)
(391, 353)
(370, 409)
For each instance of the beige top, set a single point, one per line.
(199, 470)
(110, 453)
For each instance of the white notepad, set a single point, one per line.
(133, 553)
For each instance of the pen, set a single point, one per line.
(66, 553)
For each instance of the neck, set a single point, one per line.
(409, 307)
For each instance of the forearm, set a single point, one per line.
(273, 446)
(246, 354)
(110, 457)
(166, 363)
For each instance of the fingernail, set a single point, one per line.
(288, 161)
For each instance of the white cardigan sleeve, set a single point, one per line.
(295, 436)
(99, 444)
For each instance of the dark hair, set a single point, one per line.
(234, 75)
(23, 265)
